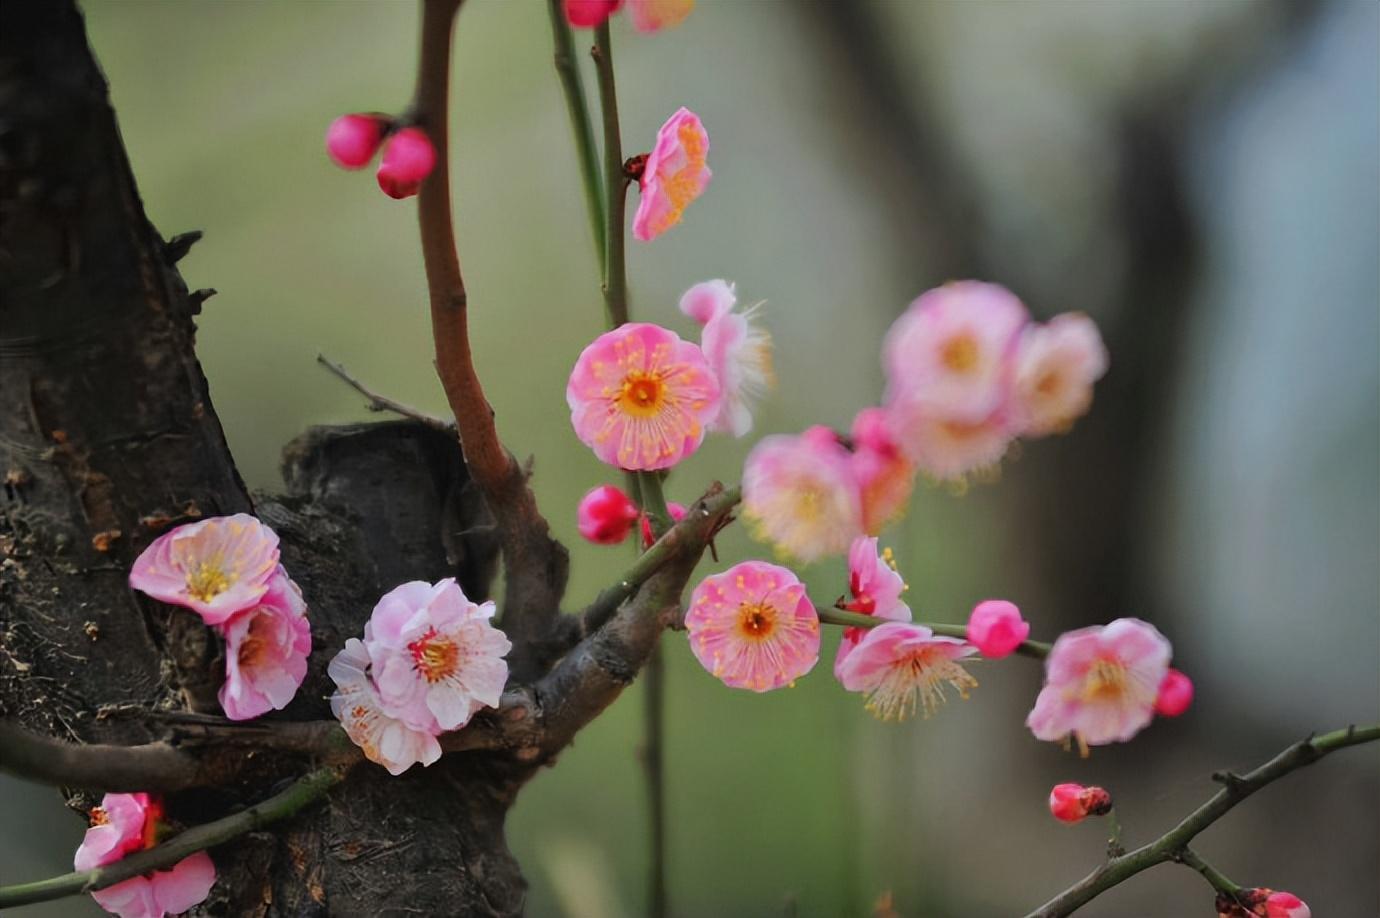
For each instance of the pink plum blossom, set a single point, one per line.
(1101, 683)
(216, 567)
(753, 626)
(885, 477)
(1072, 803)
(676, 512)
(266, 650)
(127, 823)
(384, 739)
(900, 666)
(588, 14)
(875, 587)
(605, 515)
(352, 140)
(436, 658)
(996, 628)
(1056, 366)
(799, 493)
(674, 175)
(640, 397)
(1286, 905)
(738, 351)
(1175, 694)
(408, 158)
(654, 15)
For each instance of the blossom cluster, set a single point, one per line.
(353, 140)
(429, 660)
(226, 569)
(127, 823)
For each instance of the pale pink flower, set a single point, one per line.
(1175, 694)
(384, 739)
(437, 659)
(654, 15)
(885, 477)
(799, 493)
(738, 351)
(1056, 366)
(122, 825)
(1101, 683)
(352, 140)
(1286, 905)
(875, 587)
(676, 512)
(947, 449)
(674, 175)
(900, 666)
(1072, 803)
(640, 397)
(753, 626)
(587, 14)
(605, 515)
(996, 628)
(266, 650)
(408, 158)
(216, 567)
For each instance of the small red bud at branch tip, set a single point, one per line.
(408, 158)
(1175, 694)
(352, 140)
(1072, 803)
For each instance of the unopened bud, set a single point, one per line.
(352, 140)
(605, 515)
(996, 628)
(1175, 694)
(408, 159)
(1073, 802)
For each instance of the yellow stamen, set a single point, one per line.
(960, 354)
(208, 580)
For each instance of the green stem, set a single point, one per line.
(580, 124)
(1219, 880)
(307, 789)
(653, 502)
(615, 182)
(829, 615)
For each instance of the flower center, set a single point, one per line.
(436, 656)
(1105, 681)
(642, 395)
(252, 650)
(916, 680)
(99, 817)
(960, 354)
(207, 580)
(1050, 384)
(756, 620)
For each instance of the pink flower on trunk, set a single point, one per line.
(352, 140)
(587, 14)
(901, 666)
(799, 493)
(408, 158)
(216, 567)
(875, 588)
(1175, 694)
(674, 175)
(1072, 803)
(753, 626)
(122, 825)
(266, 650)
(738, 351)
(677, 513)
(384, 739)
(1101, 683)
(437, 660)
(654, 15)
(605, 515)
(885, 477)
(1056, 366)
(640, 397)
(996, 628)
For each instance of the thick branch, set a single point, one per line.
(129, 769)
(306, 790)
(1174, 843)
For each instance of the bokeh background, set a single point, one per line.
(1200, 177)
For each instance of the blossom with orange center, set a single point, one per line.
(901, 667)
(383, 738)
(216, 567)
(267, 646)
(885, 477)
(640, 397)
(753, 626)
(1056, 365)
(800, 494)
(675, 174)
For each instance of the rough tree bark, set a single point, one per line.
(108, 437)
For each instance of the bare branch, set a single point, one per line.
(378, 402)
(128, 769)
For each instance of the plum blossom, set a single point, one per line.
(605, 515)
(1286, 905)
(996, 628)
(640, 397)
(1055, 367)
(674, 175)
(384, 739)
(352, 140)
(437, 659)
(738, 351)
(408, 158)
(1175, 694)
(1072, 803)
(799, 493)
(884, 476)
(900, 666)
(588, 14)
(127, 823)
(753, 626)
(267, 646)
(875, 587)
(215, 567)
(646, 15)
(1101, 683)
(1261, 903)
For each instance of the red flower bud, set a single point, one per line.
(605, 515)
(1073, 802)
(1175, 695)
(408, 159)
(352, 140)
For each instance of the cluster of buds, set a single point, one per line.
(352, 141)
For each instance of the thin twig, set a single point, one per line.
(377, 402)
(615, 181)
(304, 791)
(1173, 844)
(1035, 649)
(567, 68)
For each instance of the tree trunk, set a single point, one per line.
(108, 437)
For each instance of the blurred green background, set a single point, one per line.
(1201, 178)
